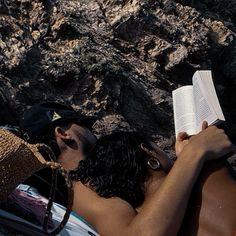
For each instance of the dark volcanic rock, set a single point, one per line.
(113, 58)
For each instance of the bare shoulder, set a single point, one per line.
(107, 215)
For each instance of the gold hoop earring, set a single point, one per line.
(154, 163)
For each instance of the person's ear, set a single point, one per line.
(64, 138)
(62, 133)
(144, 148)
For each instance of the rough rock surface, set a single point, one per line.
(115, 58)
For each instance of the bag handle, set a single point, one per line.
(56, 167)
(15, 150)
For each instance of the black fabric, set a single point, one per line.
(40, 117)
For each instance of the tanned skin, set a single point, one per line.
(71, 140)
(166, 196)
(212, 206)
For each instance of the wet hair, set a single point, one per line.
(115, 167)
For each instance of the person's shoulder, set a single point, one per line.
(84, 194)
(97, 210)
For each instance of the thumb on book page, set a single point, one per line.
(204, 125)
(182, 136)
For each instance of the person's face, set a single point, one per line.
(165, 161)
(164, 158)
(74, 141)
(82, 135)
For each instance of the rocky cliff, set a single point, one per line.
(117, 59)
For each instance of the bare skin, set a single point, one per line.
(166, 197)
(71, 141)
(212, 206)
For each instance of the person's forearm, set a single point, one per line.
(167, 206)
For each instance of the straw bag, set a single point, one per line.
(19, 160)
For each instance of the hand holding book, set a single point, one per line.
(196, 103)
(182, 139)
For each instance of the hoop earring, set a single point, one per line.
(154, 163)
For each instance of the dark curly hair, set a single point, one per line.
(115, 167)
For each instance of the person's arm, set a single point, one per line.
(163, 213)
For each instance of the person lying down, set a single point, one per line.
(126, 185)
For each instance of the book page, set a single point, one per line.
(203, 106)
(184, 112)
(211, 93)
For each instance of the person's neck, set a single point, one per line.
(153, 182)
(70, 159)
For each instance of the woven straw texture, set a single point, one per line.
(18, 161)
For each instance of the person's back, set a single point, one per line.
(166, 191)
(212, 207)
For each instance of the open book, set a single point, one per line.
(196, 103)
